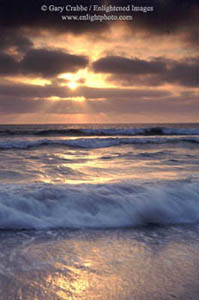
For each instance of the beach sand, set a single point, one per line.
(158, 263)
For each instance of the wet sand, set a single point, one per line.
(159, 263)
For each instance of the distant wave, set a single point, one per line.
(151, 131)
(44, 206)
(92, 143)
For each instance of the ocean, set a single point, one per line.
(99, 211)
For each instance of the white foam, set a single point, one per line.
(94, 142)
(44, 206)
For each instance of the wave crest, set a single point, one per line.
(149, 131)
(44, 206)
(92, 143)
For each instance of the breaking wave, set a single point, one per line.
(150, 131)
(92, 143)
(44, 206)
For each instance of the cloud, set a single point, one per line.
(32, 91)
(157, 71)
(48, 63)
(23, 25)
(116, 93)
(122, 65)
(8, 65)
(42, 92)
(24, 101)
(28, 14)
(168, 17)
(42, 63)
(135, 102)
(19, 105)
(14, 39)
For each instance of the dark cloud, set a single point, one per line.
(41, 62)
(192, 36)
(168, 16)
(10, 38)
(28, 14)
(122, 65)
(22, 99)
(50, 63)
(20, 105)
(134, 104)
(8, 65)
(30, 91)
(116, 93)
(157, 71)
(185, 73)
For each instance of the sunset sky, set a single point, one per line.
(143, 70)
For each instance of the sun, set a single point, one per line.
(72, 85)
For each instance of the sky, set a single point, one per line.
(144, 69)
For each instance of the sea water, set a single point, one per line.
(98, 176)
(99, 211)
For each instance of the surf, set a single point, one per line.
(92, 143)
(44, 206)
